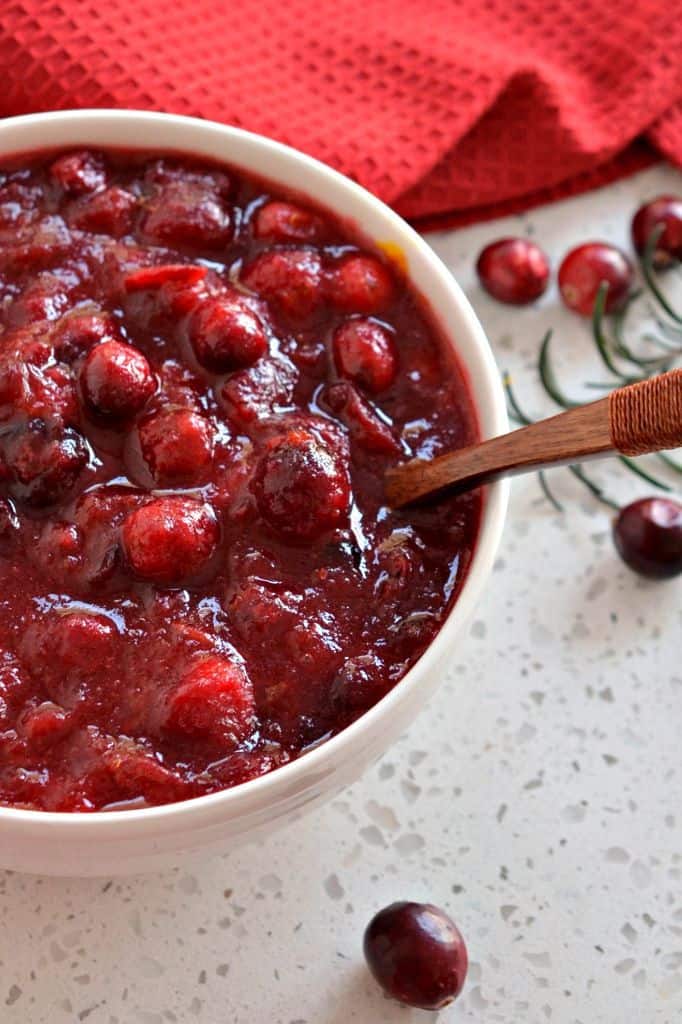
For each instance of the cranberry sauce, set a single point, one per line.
(201, 386)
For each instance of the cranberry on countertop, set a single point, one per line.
(648, 537)
(585, 268)
(416, 954)
(513, 270)
(664, 212)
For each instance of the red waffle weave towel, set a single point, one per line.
(473, 106)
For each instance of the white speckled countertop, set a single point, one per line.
(537, 797)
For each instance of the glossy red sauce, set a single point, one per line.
(201, 385)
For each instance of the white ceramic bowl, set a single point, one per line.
(130, 841)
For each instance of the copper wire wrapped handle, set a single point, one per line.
(647, 417)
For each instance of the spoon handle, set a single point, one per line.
(640, 418)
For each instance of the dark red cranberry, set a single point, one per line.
(290, 279)
(302, 487)
(648, 537)
(213, 699)
(116, 381)
(588, 266)
(416, 954)
(285, 222)
(365, 353)
(361, 284)
(177, 447)
(664, 212)
(188, 213)
(170, 540)
(44, 460)
(79, 173)
(226, 334)
(111, 212)
(513, 270)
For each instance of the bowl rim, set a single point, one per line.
(98, 825)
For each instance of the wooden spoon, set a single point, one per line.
(641, 418)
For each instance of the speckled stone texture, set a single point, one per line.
(537, 797)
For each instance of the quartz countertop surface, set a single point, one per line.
(537, 797)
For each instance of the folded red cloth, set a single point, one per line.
(473, 106)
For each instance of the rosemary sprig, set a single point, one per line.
(548, 378)
(600, 338)
(623, 349)
(649, 274)
(638, 471)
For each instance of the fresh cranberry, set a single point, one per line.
(147, 278)
(290, 279)
(416, 954)
(585, 268)
(187, 213)
(361, 284)
(177, 447)
(285, 222)
(365, 352)
(170, 540)
(116, 381)
(213, 699)
(363, 421)
(226, 334)
(664, 212)
(513, 270)
(79, 173)
(111, 212)
(45, 461)
(302, 486)
(648, 537)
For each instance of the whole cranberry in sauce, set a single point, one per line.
(116, 381)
